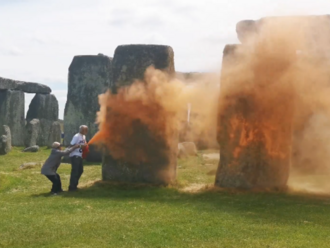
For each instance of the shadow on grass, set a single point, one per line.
(271, 207)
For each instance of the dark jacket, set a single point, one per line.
(53, 161)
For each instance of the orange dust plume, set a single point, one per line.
(283, 74)
(157, 106)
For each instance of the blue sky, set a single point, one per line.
(39, 38)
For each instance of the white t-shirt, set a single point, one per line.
(80, 140)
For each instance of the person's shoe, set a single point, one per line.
(54, 194)
(72, 190)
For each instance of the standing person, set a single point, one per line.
(77, 168)
(49, 169)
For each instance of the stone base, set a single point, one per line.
(120, 171)
(148, 158)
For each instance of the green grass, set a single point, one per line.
(108, 215)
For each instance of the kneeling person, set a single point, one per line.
(49, 169)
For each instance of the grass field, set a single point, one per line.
(105, 215)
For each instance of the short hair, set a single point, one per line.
(56, 145)
(82, 126)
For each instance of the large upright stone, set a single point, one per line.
(159, 166)
(12, 114)
(55, 133)
(89, 76)
(254, 137)
(5, 140)
(28, 87)
(247, 29)
(131, 61)
(32, 130)
(43, 107)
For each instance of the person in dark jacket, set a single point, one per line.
(49, 169)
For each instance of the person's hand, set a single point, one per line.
(84, 145)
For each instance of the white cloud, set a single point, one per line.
(40, 45)
(10, 51)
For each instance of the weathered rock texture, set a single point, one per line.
(32, 130)
(55, 133)
(130, 63)
(12, 114)
(89, 76)
(254, 146)
(31, 149)
(5, 140)
(44, 107)
(28, 87)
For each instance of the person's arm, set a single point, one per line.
(68, 151)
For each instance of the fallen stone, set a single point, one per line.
(32, 130)
(12, 114)
(28, 87)
(89, 76)
(30, 165)
(31, 149)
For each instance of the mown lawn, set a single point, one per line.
(105, 215)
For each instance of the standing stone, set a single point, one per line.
(55, 133)
(12, 114)
(255, 147)
(32, 130)
(5, 140)
(129, 63)
(43, 107)
(89, 76)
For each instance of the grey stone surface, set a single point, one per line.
(89, 76)
(130, 62)
(32, 130)
(159, 167)
(12, 114)
(55, 133)
(31, 149)
(5, 140)
(43, 107)
(28, 87)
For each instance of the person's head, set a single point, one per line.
(56, 145)
(83, 129)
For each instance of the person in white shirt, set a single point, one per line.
(77, 167)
